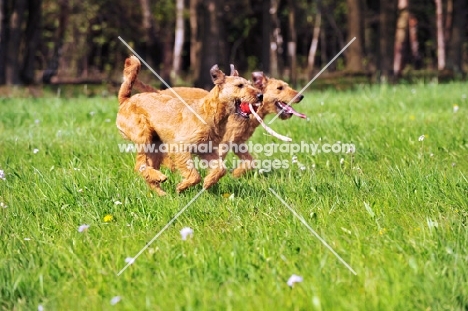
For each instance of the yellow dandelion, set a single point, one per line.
(108, 218)
(382, 231)
(226, 195)
(412, 118)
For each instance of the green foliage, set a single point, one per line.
(395, 210)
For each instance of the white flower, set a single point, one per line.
(130, 260)
(2, 175)
(432, 223)
(35, 150)
(261, 171)
(80, 190)
(294, 159)
(115, 300)
(40, 308)
(302, 168)
(341, 161)
(186, 232)
(37, 121)
(351, 149)
(294, 279)
(421, 138)
(231, 197)
(118, 203)
(308, 119)
(27, 239)
(92, 113)
(3, 205)
(455, 108)
(83, 228)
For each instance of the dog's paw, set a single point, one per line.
(156, 176)
(207, 185)
(238, 172)
(162, 177)
(157, 188)
(180, 187)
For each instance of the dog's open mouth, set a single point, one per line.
(287, 110)
(242, 108)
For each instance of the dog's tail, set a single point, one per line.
(143, 87)
(130, 74)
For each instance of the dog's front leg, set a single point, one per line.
(217, 169)
(183, 162)
(245, 165)
(147, 165)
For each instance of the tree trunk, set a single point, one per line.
(354, 53)
(53, 65)
(338, 31)
(210, 48)
(167, 59)
(400, 36)
(3, 38)
(292, 42)
(323, 46)
(414, 43)
(195, 43)
(386, 22)
(147, 24)
(275, 38)
(13, 43)
(457, 38)
(448, 21)
(440, 36)
(314, 45)
(178, 40)
(33, 33)
(266, 31)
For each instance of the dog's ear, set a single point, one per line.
(259, 79)
(217, 75)
(234, 72)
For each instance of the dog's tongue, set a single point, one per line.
(290, 109)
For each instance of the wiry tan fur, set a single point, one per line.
(239, 129)
(146, 118)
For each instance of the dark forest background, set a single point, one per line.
(71, 41)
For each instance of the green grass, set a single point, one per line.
(243, 250)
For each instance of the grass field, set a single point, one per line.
(396, 211)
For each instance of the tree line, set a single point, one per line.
(76, 41)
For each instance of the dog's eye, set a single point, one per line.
(240, 85)
(280, 88)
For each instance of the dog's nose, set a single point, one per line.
(300, 97)
(260, 96)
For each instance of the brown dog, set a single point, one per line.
(151, 117)
(277, 94)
